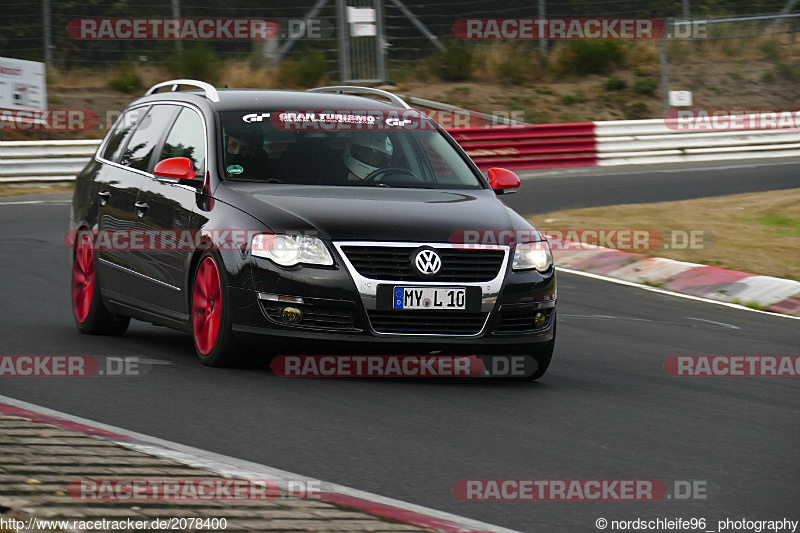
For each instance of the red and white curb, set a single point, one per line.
(373, 504)
(713, 283)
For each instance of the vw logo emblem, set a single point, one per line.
(428, 262)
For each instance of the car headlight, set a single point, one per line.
(533, 255)
(290, 250)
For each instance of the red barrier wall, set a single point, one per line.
(523, 147)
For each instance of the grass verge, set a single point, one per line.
(757, 233)
(11, 190)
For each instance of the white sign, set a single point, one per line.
(363, 29)
(360, 14)
(23, 84)
(680, 98)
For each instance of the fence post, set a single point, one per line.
(344, 41)
(48, 37)
(542, 14)
(381, 40)
(176, 13)
(664, 62)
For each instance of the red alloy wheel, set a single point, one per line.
(83, 279)
(206, 306)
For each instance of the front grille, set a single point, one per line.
(396, 263)
(427, 322)
(315, 316)
(520, 320)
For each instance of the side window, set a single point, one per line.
(148, 134)
(122, 130)
(187, 139)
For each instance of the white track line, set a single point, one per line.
(670, 293)
(231, 466)
(731, 326)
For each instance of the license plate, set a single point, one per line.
(430, 298)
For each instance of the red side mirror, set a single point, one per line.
(503, 181)
(175, 168)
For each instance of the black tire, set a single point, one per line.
(214, 341)
(91, 315)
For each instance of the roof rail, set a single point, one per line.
(352, 89)
(210, 91)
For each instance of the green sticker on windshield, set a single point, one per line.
(235, 169)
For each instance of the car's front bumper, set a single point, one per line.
(340, 306)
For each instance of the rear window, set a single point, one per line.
(122, 130)
(149, 132)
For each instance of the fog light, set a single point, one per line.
(539, 320)
(291, 314)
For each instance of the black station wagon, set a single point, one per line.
(265, 219)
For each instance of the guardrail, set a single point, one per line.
(43, 161)
(622, 142)
(514, 147)
(628, 142)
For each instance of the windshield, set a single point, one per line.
(259, 147)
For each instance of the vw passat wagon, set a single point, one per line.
(335, 217)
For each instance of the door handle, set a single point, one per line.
(141, 207)
(104, 196)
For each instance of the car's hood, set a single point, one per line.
(373, 213)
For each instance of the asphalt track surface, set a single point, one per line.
(597, 186)
(606, 409)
